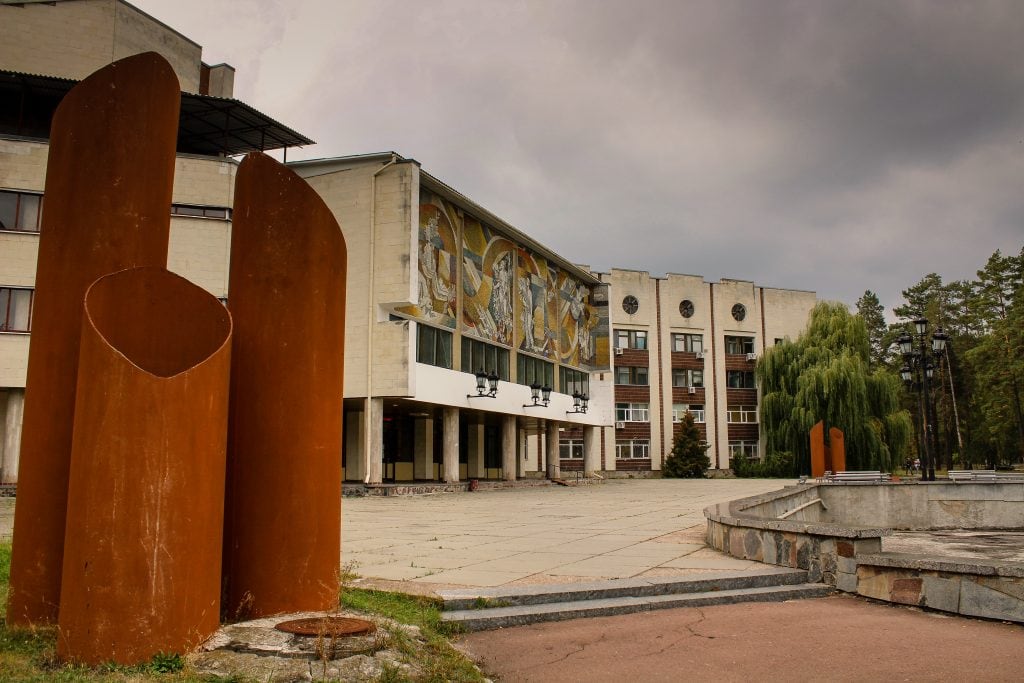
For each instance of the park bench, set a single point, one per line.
(859, 477)
(973, 475)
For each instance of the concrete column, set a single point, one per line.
(475, 451)
(591, 454)
(552, 451)
(374, 440)
(423, 455)
(12, 436)
(524, 452)
(509, 432)
(355, 446)
(451, 445)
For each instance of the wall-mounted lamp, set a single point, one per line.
(486, 385)
(579, 404)
(541, 396)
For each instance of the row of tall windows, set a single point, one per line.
(22, 211)
(575, 382)
(477, 355)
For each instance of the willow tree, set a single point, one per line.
(825, 375)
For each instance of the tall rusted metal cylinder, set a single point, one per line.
(287, 298)
(108, 195)
(142, 552)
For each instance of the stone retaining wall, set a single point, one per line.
(805, 527)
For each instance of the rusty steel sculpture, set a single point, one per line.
(830, 457)
(133, 522)
(101, 216)
(287, 300)
(146, 494)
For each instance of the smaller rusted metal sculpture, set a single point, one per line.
(287, 299)
(142, 552)
(830, 457)
(108, 193)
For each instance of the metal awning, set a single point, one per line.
(207, 125)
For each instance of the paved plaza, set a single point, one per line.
(547, 534)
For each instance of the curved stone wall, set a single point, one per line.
(835, 533)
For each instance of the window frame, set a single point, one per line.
(744, 343)
(632, 339)
(633, 373)
(527, 368)
(19, 197)
(741, 414)
(744, 374)
(574, 381)
(678, 409)
(436, 335)
(743, 448)
(572, 446)
(494, 358)
(222, 213)
(6, 309)
(643, 446)
(695, 377)
(632, 412)
(684, 342)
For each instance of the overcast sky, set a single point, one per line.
(829, 146)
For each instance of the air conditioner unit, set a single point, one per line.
(620, 425)
(751, 356)
(700, 355)
(691, 390)
(618, 350)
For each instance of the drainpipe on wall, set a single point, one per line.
(367, 432)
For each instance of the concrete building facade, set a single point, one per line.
(439, 290)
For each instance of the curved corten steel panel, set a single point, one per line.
(142, 553)
(108, 196)
(287, 299)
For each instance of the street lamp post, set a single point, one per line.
(918, 371)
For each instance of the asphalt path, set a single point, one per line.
(839, 638)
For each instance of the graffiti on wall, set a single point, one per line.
(487, 265)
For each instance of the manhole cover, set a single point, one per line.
(336, 627)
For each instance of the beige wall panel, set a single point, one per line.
(199, 251)
(33, 39)
(13, 359)
(203, 180)
(18, 263)
(22, 164)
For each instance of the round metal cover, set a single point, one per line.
(739, 311)
(336, 627)
(630, 304)
(686, 308)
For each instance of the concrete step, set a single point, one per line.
(521, 615)
(504, 596)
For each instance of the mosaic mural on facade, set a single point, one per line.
(578, 322)
(537, 309)
(437, 258)
(487, 265)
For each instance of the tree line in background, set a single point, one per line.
(978, 388)
(845, 370)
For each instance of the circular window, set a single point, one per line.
(739, 311)
(686, 308)
(630, 304)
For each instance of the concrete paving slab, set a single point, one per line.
(724, 562)
(396, 571)
(469, 576)
(604, 566)
(532, 562)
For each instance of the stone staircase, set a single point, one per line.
(481, 609)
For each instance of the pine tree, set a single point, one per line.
(825, 375)
(870, 309)
(689, 457)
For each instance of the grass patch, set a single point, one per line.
(435, 657)
(30, 655)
